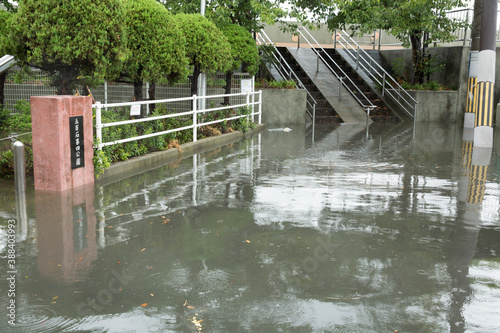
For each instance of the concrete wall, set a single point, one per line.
(437, 106)
(453, 75)
(283, 106)
(451, 57)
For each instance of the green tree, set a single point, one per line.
(156, 46)
(415, 23)
(206, 46)
(251, 14)
(244, 53)
(69, 39)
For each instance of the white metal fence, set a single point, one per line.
(195, 112)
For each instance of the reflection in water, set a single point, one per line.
(349, 233)
(66, 234)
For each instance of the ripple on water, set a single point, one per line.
(41, 319)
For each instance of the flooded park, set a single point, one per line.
(385, 229)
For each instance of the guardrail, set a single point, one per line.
(194, 113)
(388, 85)
(286, 72)
(362, 99)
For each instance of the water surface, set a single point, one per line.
(359, 231)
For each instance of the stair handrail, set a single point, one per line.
(341, 80)
(378, 74)
(263, 39)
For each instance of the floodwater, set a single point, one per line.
(355, 232)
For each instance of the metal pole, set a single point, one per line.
(253, 99)
(317, 62)
(98, 125)
(260, 107)
(357, 57)
(314, 120)
(335, 38)
(195, 116)
(147, 97)
(298, 41)
(20, 186)
(106, 93)
(340, 87)
(383, 85)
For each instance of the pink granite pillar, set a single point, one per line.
(52, 142)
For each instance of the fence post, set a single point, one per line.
(195, 120)
(98, 125)
(314, 120)
(260, 107)
(20, 186)
(248, 101)
(357, 58)
(340, 87)
(253, 99)
(106, 93)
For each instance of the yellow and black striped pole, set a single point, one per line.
(483, 102)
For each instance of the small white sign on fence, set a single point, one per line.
(135, 110)
(246, 86)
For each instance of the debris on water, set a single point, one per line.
(286, 129)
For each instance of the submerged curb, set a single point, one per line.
(140, 164)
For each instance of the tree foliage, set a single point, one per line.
(415, 23)
(69, 39)
(156, 45)
(206, 46)
(251, 14)
(244, 53)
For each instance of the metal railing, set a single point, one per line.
(286, 72)
(344, 79)
(194, 113)
(387, 84)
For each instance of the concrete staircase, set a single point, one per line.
(382, 112)
(324, 110)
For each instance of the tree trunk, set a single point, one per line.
(3, 76)
(152, 95)
(194, 82)
(417, 75)
(227, 87)
(65, 81)
(138, 95)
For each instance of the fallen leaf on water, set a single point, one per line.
(144, 249)
(152, 295)
(55, 297)
(118, 262)
(144, 304)
(247, 241)
(187, 305)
